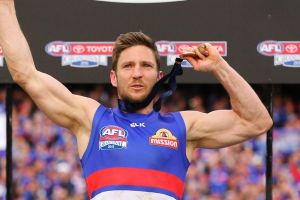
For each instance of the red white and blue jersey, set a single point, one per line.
(135, 156)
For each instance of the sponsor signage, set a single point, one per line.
(133, 125)
(164, 137)
(285, 53)
(172, 49)
(80, 54)
(94, 54)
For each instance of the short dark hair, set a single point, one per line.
(131, 39)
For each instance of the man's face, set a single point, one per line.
(135, 74)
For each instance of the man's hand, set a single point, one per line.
(204, 58)
(6, 6)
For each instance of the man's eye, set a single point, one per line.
(127, 66)
(147, 65)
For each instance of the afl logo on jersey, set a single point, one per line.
(164, 137)
(113, 137)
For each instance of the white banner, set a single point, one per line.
(141, 1)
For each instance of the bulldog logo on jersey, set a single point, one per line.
(164, 137)
(113, 137)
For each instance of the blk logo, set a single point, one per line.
(133, 125)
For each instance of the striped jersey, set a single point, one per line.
(135, 156)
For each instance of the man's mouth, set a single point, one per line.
(137, 86)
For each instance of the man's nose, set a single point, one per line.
(137, 72)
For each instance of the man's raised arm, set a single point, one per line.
(53, 98)
(248, 117)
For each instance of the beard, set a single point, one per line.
(129, 104)
(132, 103)
(130, 99)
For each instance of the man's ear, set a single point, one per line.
(113, 78)
(160, 75)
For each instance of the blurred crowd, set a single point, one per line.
(46, 163)
(2, 144)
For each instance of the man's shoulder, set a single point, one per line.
(87, 101)
(88, 104)
(190, 116)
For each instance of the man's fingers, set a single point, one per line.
(185, 55)
(203, 49)
(199, 53)
(191, 60)
(209, 47)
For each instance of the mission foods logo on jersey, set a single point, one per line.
(286, 53)
(113, 137)
(81, 54)
(172, 49)
(1, 57)
(163, 137)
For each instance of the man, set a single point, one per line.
(140, 154)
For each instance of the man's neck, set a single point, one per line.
(145, 110)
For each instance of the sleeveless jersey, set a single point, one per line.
(135, 156)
